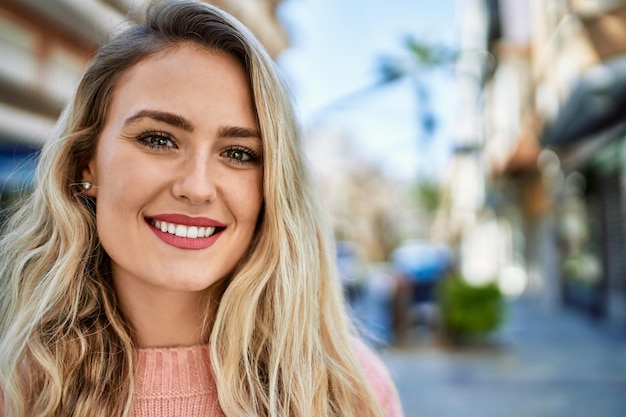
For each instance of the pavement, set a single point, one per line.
(542, 363)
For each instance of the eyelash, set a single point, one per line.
(253, 158)
(146, 137)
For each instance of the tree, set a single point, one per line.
(422, 58)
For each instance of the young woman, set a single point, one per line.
(173, 258)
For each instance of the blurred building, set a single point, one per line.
(367, 209)
(551, 140)
(44, 48)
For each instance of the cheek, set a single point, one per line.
(123, 186)
(247, 199)
(256, 200)
(116, 214)
(123, 171)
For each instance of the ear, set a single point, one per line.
(89, 175)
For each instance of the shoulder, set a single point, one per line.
(380, 381)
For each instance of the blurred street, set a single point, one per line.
(542, 363)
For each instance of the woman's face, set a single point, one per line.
(177, 171)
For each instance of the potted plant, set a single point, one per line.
(469, 312)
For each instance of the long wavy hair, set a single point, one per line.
(65, 347)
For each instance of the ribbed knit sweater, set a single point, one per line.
(179, 382)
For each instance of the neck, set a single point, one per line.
(163, 318)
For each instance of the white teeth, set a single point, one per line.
(191, 232)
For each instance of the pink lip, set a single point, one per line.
(185, 242)
(186, 220)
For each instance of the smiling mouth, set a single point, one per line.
(180, 230)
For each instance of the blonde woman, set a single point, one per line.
(173, 259)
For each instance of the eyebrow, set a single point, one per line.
(165, 117)
(182, 123)
(238, 132)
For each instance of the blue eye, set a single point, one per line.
(238, 155)
(156, 140)
(241, 155)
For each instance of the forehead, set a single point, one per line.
(185, 57)
(187, 78)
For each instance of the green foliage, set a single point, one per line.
(429, 55)
(422, 56)
(427, 195)
(469, 311)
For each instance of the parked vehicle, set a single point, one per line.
(351, 269)
(419, 265)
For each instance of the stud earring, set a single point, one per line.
(86, 185)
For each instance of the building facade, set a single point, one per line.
(553, 145)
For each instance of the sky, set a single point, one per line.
(331, 66)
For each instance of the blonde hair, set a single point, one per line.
(66, 348)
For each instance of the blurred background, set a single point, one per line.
(472, 154)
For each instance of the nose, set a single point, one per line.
(195, 181)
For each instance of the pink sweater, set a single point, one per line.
(179, 382)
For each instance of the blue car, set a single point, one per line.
(419, 265)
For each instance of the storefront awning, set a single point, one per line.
(596, 102)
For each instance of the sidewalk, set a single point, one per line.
(545, 364)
